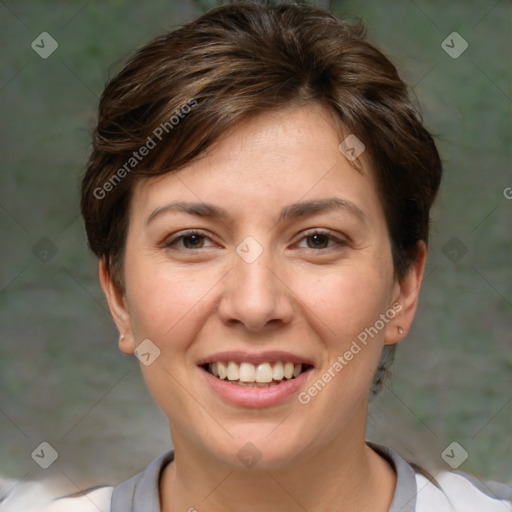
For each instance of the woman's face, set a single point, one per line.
(290, 262)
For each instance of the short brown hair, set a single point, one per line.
(244, 58)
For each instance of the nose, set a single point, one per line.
(256, 294)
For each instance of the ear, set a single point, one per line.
(117, 304)
(405, 298)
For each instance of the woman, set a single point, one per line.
(258, 196)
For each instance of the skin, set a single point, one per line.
(311, 300)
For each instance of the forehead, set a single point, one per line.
(270, 158)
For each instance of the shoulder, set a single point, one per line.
(138, 493)
(421, 490)
(37, 497)
(95, 500)
(456, 491)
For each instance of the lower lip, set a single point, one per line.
(254, 396)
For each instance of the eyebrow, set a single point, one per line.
(292, 211)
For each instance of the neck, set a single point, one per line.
(343, 475)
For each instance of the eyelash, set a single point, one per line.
(171, 243)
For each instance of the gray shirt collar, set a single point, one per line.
(140, 493)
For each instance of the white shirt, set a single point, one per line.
(448, 491)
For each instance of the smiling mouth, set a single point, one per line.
(261, 375)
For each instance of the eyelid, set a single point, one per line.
(339, 240)
(173, 239)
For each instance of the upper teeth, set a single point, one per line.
(248, 372)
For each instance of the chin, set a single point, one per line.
(257, 448)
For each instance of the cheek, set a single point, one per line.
(168, 306)
(164, 301)
(345, 301)
(342, 307)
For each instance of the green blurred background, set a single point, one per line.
(62, 379)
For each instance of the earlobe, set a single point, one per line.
(125, 344)
(118, 309)
(407, 291)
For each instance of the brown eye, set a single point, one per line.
(188, 240)
(193, 241)
(318, 240)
